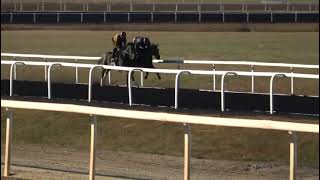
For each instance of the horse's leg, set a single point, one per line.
(146, 76)
(103, 75)
(159, 77)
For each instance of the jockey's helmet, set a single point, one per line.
(123, 34)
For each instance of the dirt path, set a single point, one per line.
(36, 162)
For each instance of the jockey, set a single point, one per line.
(141, 43)
(119, 42)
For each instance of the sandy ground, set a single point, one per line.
(36, 162)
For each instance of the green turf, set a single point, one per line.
(300, 47)
(292, 47)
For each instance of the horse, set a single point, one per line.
(145, 61)
(126, 58)
(129, 57)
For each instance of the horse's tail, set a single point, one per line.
(104, 58)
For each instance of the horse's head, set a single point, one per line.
(155, 50)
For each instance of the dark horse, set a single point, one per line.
(129, 58)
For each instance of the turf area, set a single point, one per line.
(72, 130)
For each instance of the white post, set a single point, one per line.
(223, 17)
(252, 80)
(13, 66)
(7, 158)
(187, 151)
(176, 89)
(214, 78)
(271, 90)
(15, 72)
(77, 73)
(175, 17)
(141, 78)
(293, 155)
(11, 17)
(291, 69)
(90, 82)
(49, 78)
(152, 17)
(109, 78)
(92, 167)
(129, 84)
(45, 70)
(222, 88)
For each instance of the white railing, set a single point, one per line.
(251, 64)
(272, 76)
(156, 6)
(155, 116)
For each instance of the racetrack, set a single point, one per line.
(65, 136)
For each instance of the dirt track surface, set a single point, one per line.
(36, 162)
(179, 27)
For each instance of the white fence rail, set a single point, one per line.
(63, 6)
(272, 76)
(251, 64)
(155, 116)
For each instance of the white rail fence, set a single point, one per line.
(250, 64)
(63, 6)
(291, 127)
(50, 65)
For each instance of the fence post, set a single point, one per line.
(45, 70)
(271, 90)
(93, 128)
(7, 159)
(187, 151)
(109, 78)
(291, 70)
(90, 82)
(11, 17)
(222, 88)
(141, 78)
(13, 66)
(252, 80)
(223, 17)
(293, 155)
(176, 89)
(49, 78)
(77, 73)
(129, 84)
(214, 78)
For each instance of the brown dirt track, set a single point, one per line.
(183, 27)
(40, 162)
